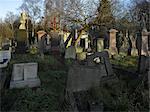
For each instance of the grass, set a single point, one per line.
(53, 75)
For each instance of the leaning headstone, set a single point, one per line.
(144, 49)
(112, 43)
(83, 77)
(70, 53)
(24, 74)
(104, 58)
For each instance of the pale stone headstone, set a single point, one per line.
(70, 53)
(100, 44)
(112, 43)
(18, 72)
(25, 74)
(144, 49)
(30, 70)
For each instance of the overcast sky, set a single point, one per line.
(12, 5)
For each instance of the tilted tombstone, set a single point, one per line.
(24, 74)
(112, 42)
(144, 49)
(104, 58)
(83, 77)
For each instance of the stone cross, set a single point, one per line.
(144, 49)
(134, 51)
(112, 42)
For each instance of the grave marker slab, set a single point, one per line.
(25, 74)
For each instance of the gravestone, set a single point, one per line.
(70, 53)
(21, 35)
(143, 64)
(104, 58)
(83, 77)
(125, 45)
(24, 74)
(149, 80)
(41, 42)
(144, 49)
(112, 42)
(100, 44)
(134, 51)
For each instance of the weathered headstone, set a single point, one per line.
(83, 77)
(25, 74)
(143, 64)
(112, 42)
(41, 42)
(70, 53)
(100, 44)
(144, 49)
(125, 45)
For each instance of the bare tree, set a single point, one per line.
(33, 8)
(10, 19)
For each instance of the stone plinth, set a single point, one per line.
(24, 74)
